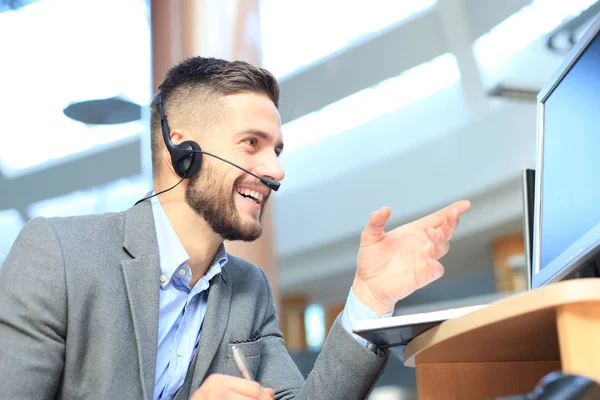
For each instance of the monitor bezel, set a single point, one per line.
(552, 273)
(528, 187)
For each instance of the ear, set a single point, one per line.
(177, 136)
(166, 156)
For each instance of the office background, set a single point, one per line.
(412, 104)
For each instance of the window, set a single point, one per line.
(314, 321)
(11, 223)
(368, 104)
(65, 51)
(296, 33)
(112, 197)
(523, 28)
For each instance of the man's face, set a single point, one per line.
(248, 133)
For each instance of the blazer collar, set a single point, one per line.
(213, 327)
(140, 235)
(141, 272)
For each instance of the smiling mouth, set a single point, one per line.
(251, 194)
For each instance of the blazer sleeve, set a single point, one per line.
(343, 370)
(33, 314)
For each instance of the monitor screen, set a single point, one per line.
(569, 188)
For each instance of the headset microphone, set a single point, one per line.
(270, 183)
(186, 157)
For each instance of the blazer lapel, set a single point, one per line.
(142, 273)
(213, 328)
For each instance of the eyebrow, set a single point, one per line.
(262, 135)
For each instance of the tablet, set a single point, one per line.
(401, 329)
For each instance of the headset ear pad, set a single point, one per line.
(186, 158)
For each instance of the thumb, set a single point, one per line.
(373, 232)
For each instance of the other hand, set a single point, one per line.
(218, 386)
(392, 265)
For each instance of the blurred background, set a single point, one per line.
(411, 104)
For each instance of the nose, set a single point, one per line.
(271, 168)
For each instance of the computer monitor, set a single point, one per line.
(528, 212)
(566, 236)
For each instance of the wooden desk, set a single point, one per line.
(507, 347)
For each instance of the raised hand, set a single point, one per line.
(392, 265)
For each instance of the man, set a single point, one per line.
(148, 304)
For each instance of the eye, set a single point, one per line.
(251, 141)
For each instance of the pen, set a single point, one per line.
(238, 357)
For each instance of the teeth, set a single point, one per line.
(256, 195)
(247, 192)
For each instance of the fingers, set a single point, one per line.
(220, 386)
(229, 395)
(235, 396)
(250, 389)
(374, 230)
(265, 395)
(462, 206)
(454, 210)
(427, 272)
(435, 269)
(438, 244)
(446, 220)
(447, 228)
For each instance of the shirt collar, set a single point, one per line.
(218, 262)
(172, 254)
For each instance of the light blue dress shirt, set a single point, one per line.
(182, 308)
(354, 311)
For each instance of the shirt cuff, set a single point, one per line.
(355, 311)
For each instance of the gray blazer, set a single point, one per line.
(79, 305)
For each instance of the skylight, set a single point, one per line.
(57, 52)
(11, 223)
(524, 27)
(389, 95)
(296, 33)
(113, 197)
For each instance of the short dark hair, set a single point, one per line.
(211, 78)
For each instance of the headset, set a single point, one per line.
(186, 157)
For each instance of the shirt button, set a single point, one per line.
(182, 272)
(178, 353)
(163, 278)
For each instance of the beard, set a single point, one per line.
(214, 202)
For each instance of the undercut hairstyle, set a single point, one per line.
(193, 90)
